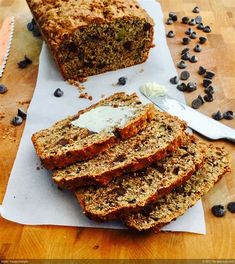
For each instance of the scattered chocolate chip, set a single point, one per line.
(185, 20)
(184, 75)
(196, 103)
(200, 26)
(208, 97)
(206, 83)
(186, 41)
(169, 21)
(228, 115)
(30, 26)
(185, 56)
(189, 31)
(174, 80)
(3, 89)
(209, 75)
(16, 121)
(197, 48)
(202, 40)
(217, 116)
(173, 16)
(36, 32)
(209, 90)
(193, 35)
(218, 210)
(27, 59)
(194, 59)
(24, 63)
(182, 87)
(191, 86)
(170, 34)
(58, 92)
(21, 113)
(198, 20)
(192, 22)
(184, 51)
(63, 142)
(33, 21)
(201, 70)
(207, 29)
(181, 65)
(231, 207)
(200, 97)
(196, 9)
(122, 81)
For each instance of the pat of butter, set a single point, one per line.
(152, 89)
(104, 118)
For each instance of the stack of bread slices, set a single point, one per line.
(129, 161)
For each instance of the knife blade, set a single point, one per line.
(6, 35)
(199, 122)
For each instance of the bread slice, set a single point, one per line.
(134, 191)
(162, 135)
(64, 143)
(171, 206)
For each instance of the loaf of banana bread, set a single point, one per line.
(161, 136)
(171, 206)
(92, 131)
(133, 191)
(93, 36)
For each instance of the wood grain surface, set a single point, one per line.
(48, 242)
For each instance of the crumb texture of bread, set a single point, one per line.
(162, 135)
(134, 191)
(87, 36)
(64, 144)
(171, 206)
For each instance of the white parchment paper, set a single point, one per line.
(31, 196)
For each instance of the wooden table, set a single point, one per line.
(28, 242)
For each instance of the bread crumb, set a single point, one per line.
(141, 70)
(102, 95)
(24, 102)
(77, 84)
(86, 96)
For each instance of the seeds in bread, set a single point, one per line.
(171, 206)
(131, 192)
(64, 144)
(162, 135)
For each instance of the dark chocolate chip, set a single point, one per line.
(22, 64)
(198, 20)
(27, 59)
(186, 41)
(201, 70)
(194, 59)
(207, 29)
(184, 75)
(181, 65)
(189, 31)
(58, 92)
(191, 86)
(185, 20)
(184, 51)
(182, 87)
(202, 40)
(185, 56)
(209, 75)
(128, 45)
(208, 97)
(170, 34)
(147, 26)
(36, 32)
(21, 113)
(231, 207)
(63, 142)
(217, 116)
(209, 90)
(16, 121)
(176, 170)
(197, 48)
(179, 189)
(196, 9)
(228, 115)
(206, 83)
(196, 103)
(173, 16)
(218, 210)
(174, 80)
(33, 21)
(200, 26)
(3, 89)
(122, 81)
(193, 35)
(200, 98)
(30, 26)
(169, 21)
(192, 22)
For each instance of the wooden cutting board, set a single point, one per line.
(19, 241)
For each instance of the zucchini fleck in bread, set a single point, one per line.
(88, 37)
(65, 143)
(132, 192)
(162, 135)
(171, 206)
